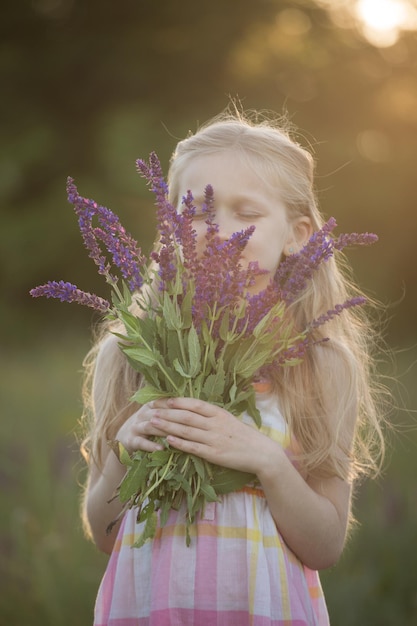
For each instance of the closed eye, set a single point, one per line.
(248, 215)
(199, 216)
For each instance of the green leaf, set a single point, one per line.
(133, 481)
(233, 353)
(197, 383)
(144, 356)
(148, 531)
(186, 307)
(267, 320)
(246, 367)
(189, 501)
(179, 369)
(148, 393)
(130, 322)
(209, 492)
(213, 387)
(252, 409)
(173, 346)
(171, 313)
(224, 325)
(199, 466)
(228, 480)
(185, 485)
(124, 455)
(232, 392)
(145, 511)
(127, 296)
(152, 376)
(159, 457)
(148, 331)
(194, 351)
(165, 509)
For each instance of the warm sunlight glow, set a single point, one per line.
(382, 20)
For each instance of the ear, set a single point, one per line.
(300, 232)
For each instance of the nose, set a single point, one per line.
(224, 222)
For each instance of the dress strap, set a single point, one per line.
(262, 386)
(253, 491)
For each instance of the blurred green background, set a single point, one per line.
(88, 87)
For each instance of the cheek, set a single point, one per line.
(266, 250)
(200, 240)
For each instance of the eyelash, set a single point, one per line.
(248, 216)
(199, 217)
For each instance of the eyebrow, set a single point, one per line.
(200, 199)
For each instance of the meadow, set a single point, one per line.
(89, 87)
(50, 572)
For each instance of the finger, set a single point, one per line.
(160, 403)
(146, 445)
(190, 447)
(193, 405)
(185, 431)
(179, 422)
(147, 429)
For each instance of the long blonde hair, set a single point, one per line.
(330, 401)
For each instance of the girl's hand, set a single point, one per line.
(212, 433)
(135, 432)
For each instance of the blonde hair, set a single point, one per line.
(330, 401)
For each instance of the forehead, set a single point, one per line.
(233, 180)
(223, 170)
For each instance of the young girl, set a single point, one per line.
(254, 555)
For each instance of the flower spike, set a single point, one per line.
(67, 292)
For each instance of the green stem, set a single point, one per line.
(117, 290)
(160, 365)
(210, 332)
(184, 360)
(161, 478)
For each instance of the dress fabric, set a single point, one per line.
(238, 571)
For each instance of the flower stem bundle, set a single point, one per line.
(191, 327)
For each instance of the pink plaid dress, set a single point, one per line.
(237, 571)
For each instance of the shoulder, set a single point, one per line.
(336, 362)
(339, 377)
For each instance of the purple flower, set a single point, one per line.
(338, 309)
(85, 210)
(216, 278)
(219, 278)
(167, 216)
(297, 269)
(186, 233)
(260, 303)
(152, 172)
(124, 250)
(354, 239)
(67, 292)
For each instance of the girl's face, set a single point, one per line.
(241, 200)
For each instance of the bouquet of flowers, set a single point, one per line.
(191, 327)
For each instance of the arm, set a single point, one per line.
(315, 516)
(101, 508)
(311, 514)
(105, 473)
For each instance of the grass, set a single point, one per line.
(50, 573)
